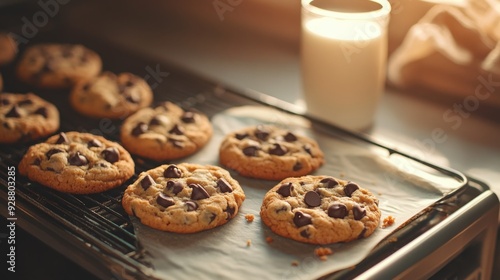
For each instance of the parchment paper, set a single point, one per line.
(238, 250)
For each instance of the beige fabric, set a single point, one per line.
(452, 50)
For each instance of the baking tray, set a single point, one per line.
(99, 223)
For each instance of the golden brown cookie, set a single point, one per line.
(8, 48)
(184, 198)
(111, 96)
(57, 66)
(165, 132)
(270, 152)
(79, 163)
(25, 117)
(320, 210)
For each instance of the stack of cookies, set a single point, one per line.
(185, 197)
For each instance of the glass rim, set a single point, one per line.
(382, 12)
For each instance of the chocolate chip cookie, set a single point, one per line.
(79, 163)
(184, 198)
(8, 48)
(26, 117)
(57, 66)
(320, 210)
(165, 132)
(111, 96)
(270, 152)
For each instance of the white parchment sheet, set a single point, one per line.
(224, 252)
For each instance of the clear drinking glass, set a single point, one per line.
(343, 59)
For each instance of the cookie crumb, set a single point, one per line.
(249, 217)
(388, 221)
(269, 239)
(295, 263)
(392, 240)
(323, 252)
(249, 242)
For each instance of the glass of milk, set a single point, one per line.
(343, 59)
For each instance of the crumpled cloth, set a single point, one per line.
(452, 50)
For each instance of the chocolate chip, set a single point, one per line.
(25, 102)
(164, 200)
(177, 130)
(278, 150)
(176, 143)
(281, 209)
(230, 212)
(130, 82)
(241, 136)
(337, 210)
(312, 199)
(77, 159)
(305, 233)
(358, 212)
(63, 139)
(94, 143)
(154, 121)
(349, 188)
(261, 133)
(224, 186)
(328, 183)
(174, 186)
(172, 172)
(50, 152)
(139, 129)
(49, 66)
(198, 192)
(4, 101)
(158, 120)
(362, 233)
(212, 217)
(13, 112)
(251, 151)
(42, 111)
(285, 190)
(111, 154)
(85, 57)
(86, 87)
(188, 117)
(37, 161)
(132, 98)
(101, 165)
(297, 166)
(307, 148)
(290, 137)
(301, 219)
(191, 205)
(147, 182)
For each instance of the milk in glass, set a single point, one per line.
(344, 62)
